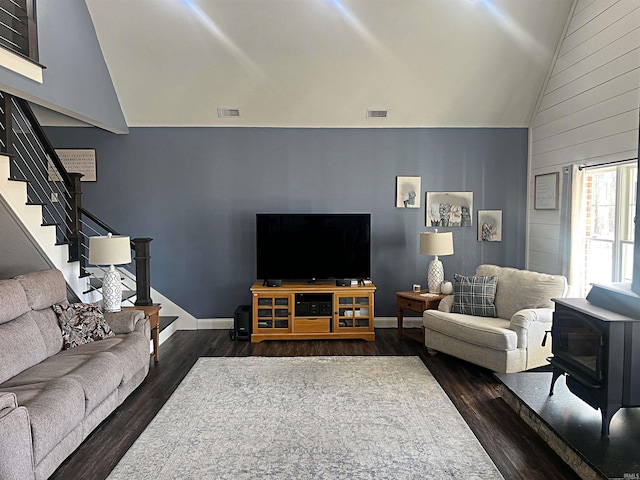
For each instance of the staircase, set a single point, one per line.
(47, 202)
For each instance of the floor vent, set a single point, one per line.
(228, 112)
(376, 113)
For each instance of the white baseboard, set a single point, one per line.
(215, 323)
(379, 322)
(392, 322)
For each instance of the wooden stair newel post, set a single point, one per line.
(73, 222)
(143, 271)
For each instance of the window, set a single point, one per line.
(610, 199)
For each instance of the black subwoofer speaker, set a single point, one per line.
(242, 323)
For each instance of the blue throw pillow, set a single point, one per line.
(474, 295)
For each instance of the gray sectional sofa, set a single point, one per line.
(51, 399)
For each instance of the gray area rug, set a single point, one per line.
(307, 418)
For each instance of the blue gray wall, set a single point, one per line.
(76, 80)
(196, 191)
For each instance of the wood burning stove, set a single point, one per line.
(598, 349)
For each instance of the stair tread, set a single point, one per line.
(127, 294)
(165, 321)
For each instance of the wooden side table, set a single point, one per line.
(152, 313)
(414, 302)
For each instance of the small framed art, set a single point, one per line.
(408, 192)
(449, 209)
(546, 191)
(79, 160)
(489, 225)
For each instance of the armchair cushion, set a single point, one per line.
(493, 333)
(520, 289)
(475, 295)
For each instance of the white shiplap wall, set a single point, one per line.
(589, 110)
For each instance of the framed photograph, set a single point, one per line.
(408, 192)
(449, 209)
(546, 191)
(78, 160)
(489, 225)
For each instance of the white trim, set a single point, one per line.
(167, 332)
(392, 322)
(215, 323)
(20, 65)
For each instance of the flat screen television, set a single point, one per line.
(313, 246)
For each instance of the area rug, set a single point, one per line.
(307, 418)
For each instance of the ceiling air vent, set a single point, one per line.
(376, 113)
(228, 112)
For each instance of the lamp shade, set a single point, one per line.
(109, 250)
(435, 243)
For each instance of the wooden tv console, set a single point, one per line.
(306, 311)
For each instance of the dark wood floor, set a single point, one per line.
(514, 447)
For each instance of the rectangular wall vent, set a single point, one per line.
(376, 113)
(228, 112)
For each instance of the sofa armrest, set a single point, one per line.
(124, 321)
(16, 448)
(530, 319)
(446, 304)
(8, 400)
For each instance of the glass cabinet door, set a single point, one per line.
(272, 313)
(354, 312)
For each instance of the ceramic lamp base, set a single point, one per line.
(111, 291)
(435, 276)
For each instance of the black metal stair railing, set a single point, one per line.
(59, 193)
(18, 28)
(33, 160)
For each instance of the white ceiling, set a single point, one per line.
(323, 63)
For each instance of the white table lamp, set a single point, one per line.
(435, 243)
(110, 250)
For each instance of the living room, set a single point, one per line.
(523, 89)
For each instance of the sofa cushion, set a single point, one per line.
(56, 409)
(21, 346)
(98, 373)
(519, 289)
(44, 288)
(99, 377)
(474, 295)
(47, 322)
(81, 323)
(14, 300)
(487, 332)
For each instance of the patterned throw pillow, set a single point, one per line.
(475, 295)
(81, 323)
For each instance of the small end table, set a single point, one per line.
(151, 312)
(417, 303)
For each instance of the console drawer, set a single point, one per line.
(413, 305)
(312, 325)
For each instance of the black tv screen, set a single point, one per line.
(313, 246)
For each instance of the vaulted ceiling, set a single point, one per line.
(324, 63)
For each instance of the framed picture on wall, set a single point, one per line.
(489, 225)
(79, 160)
(449, 209)
(546, 191)
(408, 192)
